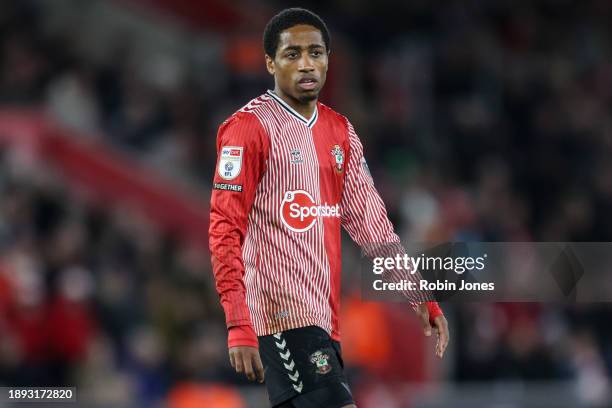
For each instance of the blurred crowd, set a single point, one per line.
(99, 297)
(482, 120)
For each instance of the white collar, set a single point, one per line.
(308, 122)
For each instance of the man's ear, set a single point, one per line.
(270, 64)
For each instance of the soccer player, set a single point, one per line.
(290, 173)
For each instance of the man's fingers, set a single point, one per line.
(246, 360)
(259, 370)
(248, 366)
(427, 329)
(424, 314)
(238, 361)
(231, 357)
(443, 336)
(442, 343)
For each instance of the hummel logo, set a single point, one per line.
(290, 364)
(296, 156)
(298, 388)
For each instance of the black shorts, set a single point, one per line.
(303, 369)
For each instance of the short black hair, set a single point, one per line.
(289, 18)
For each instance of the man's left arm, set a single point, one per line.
(365, 219)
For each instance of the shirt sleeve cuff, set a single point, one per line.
(242, 336)
(434, 311)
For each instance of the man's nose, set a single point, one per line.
(305, 63)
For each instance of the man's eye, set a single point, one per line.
(292, 55)
(316, 53)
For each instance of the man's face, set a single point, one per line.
(300, 64)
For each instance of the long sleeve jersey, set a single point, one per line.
(284, 187)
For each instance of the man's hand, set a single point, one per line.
(246, 360)
(440, 327)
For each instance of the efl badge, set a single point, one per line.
(320, 360)
(338, 155)
(230, 162)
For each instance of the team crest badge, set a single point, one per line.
(230, 162)
(338, 155)
(321, 361)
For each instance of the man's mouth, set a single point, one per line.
(307, 84)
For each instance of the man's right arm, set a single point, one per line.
(242, 149)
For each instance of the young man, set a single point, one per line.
(290, 173)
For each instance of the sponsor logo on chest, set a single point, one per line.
(299, 212)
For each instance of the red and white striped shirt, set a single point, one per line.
(283, 188)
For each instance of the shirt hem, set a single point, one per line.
(289, 326)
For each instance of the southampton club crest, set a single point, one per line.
(321, 361)
(338, 155)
